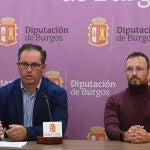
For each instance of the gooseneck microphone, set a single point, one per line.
(45, 97)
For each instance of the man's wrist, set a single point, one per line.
(122, 136)
(148, 138)
(26, 138)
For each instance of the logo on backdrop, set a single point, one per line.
(55, 77)
(98, 32)
(8, 31)
(97, 133)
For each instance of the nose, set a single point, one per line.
(134, 72)
(29, 68)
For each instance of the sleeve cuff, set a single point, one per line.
(122, 136)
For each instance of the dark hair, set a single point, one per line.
(137, 54)
(32, 47)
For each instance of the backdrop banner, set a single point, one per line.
(87, 42)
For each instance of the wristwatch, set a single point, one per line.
(122, 136)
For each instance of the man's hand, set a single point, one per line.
(16, 132)
(1, 128)
(137, 134)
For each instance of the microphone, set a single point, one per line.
(45, 97)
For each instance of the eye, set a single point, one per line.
(129, 68)
(139, 68)
(34, 65)
(24, 64)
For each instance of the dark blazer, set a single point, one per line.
(11, 106)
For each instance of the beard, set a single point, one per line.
(137, 86)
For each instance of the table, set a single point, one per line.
(84, 145)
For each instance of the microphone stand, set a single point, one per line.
(48, 105)
(48, 140)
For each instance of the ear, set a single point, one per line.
(18, 64)
(43, 67)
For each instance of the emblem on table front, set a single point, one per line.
(52, 127)
(97, 133)
(8, 31)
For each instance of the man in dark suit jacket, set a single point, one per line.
(24, 102)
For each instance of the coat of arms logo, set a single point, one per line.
(55, 77)
(97, 133)
(8, 31)
(98, 32)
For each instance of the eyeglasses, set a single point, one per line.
(138, 69)
(33, 66)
